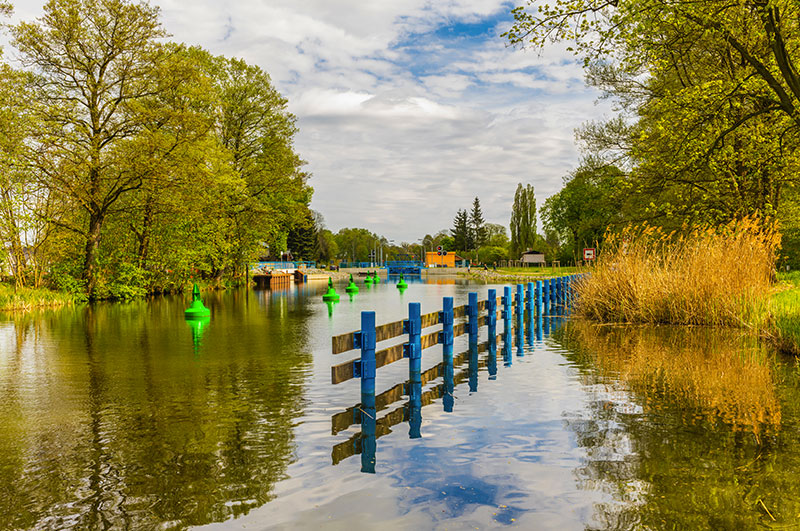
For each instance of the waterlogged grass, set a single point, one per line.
(26, 299)
(717, 276)
(785, 311)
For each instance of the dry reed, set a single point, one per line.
(711, 276)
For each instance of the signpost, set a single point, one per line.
(589, 253)
(440, 252)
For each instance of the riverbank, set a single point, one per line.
(785, 314)
(517, 274)
(26, 299)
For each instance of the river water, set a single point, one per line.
(123, 416)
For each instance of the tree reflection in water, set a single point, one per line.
(109, 420)
(689, 428)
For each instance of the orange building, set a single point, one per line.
(432, 259)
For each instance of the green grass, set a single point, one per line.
(537, 271)
(24, 299)
(785, 309)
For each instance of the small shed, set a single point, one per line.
(434, 259)
(531, 257)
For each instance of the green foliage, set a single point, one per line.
(134, 165)
(588, 204)
(461, 233)
(709, 94)
(491, 254)
(355, 244)
(523, 220)
(477, 223)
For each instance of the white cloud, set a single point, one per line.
(400, 126)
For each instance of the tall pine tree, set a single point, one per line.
(461, 231)
(477, 222)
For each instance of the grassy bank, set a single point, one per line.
(518, 274)
(24, 299)
(785, 314)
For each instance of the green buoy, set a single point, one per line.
(196, 310)
(330, 295)
(375, 278)
(351, 288)
(401, 284)
(368, 280)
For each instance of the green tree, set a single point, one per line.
(461, 231)
(95, 61)
(591, 200)
(477, 222)
(710, 93)
(523, 220)
(302, 238)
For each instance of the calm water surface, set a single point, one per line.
(122, 416)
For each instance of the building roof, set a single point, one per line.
(532, 252)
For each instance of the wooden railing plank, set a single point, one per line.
(388, 355)
(388, 331)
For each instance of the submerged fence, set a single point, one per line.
(544, 297)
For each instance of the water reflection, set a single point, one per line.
(121, 426)
(686, 427)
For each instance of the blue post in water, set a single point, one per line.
(472, 316)
(545, 295)
(413, 327)
(552, 292)
(491, 322)
(491, 313)
(446, 339)
(506, 310)
(472, 327)
(367, 342)
(368, 444)
(539, 298)
(415, 406)
(519, 301)
(529, 297)
(529, 316)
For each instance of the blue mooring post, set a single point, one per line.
(506, 310)
(446, 339)
(552, 292)
(413, 327)
(519, 301)
(545, 295)
(472, 326)
(491, 314)
(472, 316)
(366, 369)
(366, 338)
(539, 298)
(529, 297)
(491, 322)
(368, 444)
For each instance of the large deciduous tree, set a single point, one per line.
(710, 96)
(96, 62)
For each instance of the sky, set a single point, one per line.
(407, 110)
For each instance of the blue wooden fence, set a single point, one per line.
(547, 297)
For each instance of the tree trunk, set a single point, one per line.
(90, 257)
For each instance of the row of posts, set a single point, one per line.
(540, 298)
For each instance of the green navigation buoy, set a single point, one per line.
(330, 295)
(375, 278)
(351, 288)
(368, 280)
(196, 310)
(401, 284)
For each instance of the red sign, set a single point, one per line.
(589, 253)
